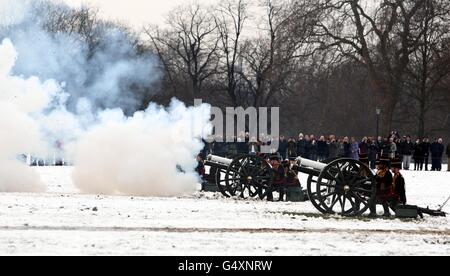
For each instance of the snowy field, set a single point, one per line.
(63, 221)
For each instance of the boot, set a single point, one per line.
(373, 211)
(387, 213)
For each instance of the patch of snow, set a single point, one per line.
(63, 221)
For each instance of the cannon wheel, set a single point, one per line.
(221, 182)
(248, 176)
(312, 193)
(311, 189)
(346, 188)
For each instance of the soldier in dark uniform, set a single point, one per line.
(279, 176)
(384, 185)
(398, 186)
(200, 169)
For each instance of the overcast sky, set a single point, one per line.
(135, 12)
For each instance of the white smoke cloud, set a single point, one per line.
(150, 154)
(13, 11)
(19, 132)
(103, 76)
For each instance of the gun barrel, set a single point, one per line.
(219, 160)
(303, 162)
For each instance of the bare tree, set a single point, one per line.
(380, 35)
(83, 23)
(430, 66)
(192, 37)
(272, 61)
(231, 16)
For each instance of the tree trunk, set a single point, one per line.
(422, 116)
(387, 115)
(386, 101)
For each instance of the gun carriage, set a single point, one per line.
(343, 186)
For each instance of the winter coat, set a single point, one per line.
(242, 148)
(283, 147)
(333, 149)
(231, 148)
(301, 147)
(347, 150)
(448, 151)
(379, 147)
(355, 151)
(312, 148)
(220, 148)
(322, 149)
(418, 152)
(253, 147)
(399, 188)
(373, 151)
(400, 147)
(292, 148)
(426, 147)
(437, 150)
(363, 148)
(392, 149)
(407, 148)
(384, 181)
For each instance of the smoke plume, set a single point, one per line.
(80, 112)
(150, 154)
(19, 132)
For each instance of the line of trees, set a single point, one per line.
(327, 63)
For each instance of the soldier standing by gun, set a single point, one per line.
(398, 185)
(279, 177)
(384, 187)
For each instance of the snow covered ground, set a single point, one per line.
(62, 221)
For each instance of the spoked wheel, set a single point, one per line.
(248, 176)
(312, 189)
(312, 193)
(346, 187)
(221, 182)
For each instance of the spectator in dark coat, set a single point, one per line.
(407, 150)
(354, 149)
(220, 147)
(426, 147)
(301, 146)
(292, 148)
(322, 149)
(242, 145)
(347, 148)
(418, 156)
(307, 147)
(254, 146)
(312, 148)
(364, 146)
(231, 146)
(448, 156)
(373, 152)
(333, 147)
(437, 151)
(283, 147)
(364, 151)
